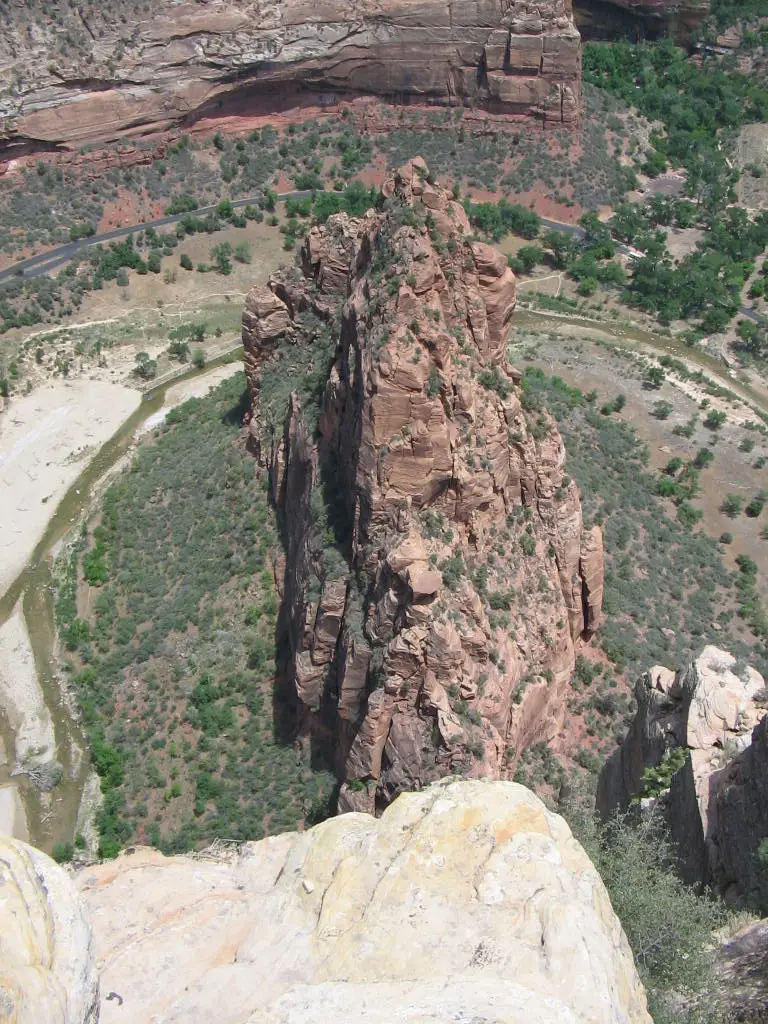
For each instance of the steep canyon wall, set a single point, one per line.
(88, 76)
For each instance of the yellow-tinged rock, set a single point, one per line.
(47, 967)
(467, 900)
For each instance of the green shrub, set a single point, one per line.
(731, 505)
(756, 505)
(434, 383)
(668, 924)
(453, 571)
(63, 852)
(714, 420)
(658, 778)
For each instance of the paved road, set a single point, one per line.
(45, 263)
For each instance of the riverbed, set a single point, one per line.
(56, 459)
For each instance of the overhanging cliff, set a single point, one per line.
(78, 80)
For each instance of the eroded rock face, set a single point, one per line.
(679, 17)
(741, 965)
(88, 77)
(717, 803)
(438, 632)
(467, 901)
(47, 964)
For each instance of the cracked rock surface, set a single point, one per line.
(466, 901)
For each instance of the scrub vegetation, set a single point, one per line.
(174, 664)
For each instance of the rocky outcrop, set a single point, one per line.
(438, 575)
(47, 966)
(716, 803)
(677, 16)
(615, 19)
(468, 901)
(87, 76)
(741, 967)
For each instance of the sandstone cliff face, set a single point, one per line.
(676, 18)
(436, 631)
(47, 968)
(88, 77)
(468, 901)
(717, 803)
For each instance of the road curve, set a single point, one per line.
(47, 262)
(44, 263)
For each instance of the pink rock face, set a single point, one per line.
(591, 571)
(451, 641)
(514, 60)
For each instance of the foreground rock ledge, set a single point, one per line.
(466, 901)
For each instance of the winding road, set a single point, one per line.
(47, 262)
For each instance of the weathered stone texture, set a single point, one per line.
(717, 803)
(47, 965)
(65, 86)
(467, 901)
(470, 578)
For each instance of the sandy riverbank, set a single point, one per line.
(197, 387)
(21, 697)
(46, 439)
(13, 819)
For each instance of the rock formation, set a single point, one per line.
(88, 76)
(717, 802)
(467, 901)
(437, 571)
(741, 966)
(653, 18)
(47, 967)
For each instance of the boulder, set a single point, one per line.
(467, 901)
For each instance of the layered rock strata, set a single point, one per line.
(717, 802)
(468, 901)
(617, 19)
(679, 18)
(88, 77)
(438, 574)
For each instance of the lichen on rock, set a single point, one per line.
(438, 575)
